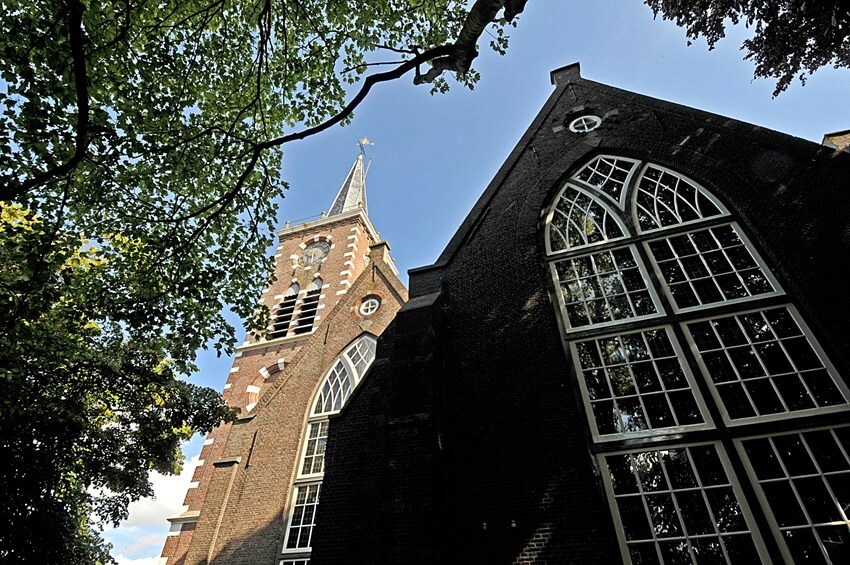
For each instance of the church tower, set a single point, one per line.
(256, 489)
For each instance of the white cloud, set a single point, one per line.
(139, 561)
(142, 535)
(169, 491)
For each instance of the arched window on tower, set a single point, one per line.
(309, 306)
(284, 312)
(346, 373)
(677, 327)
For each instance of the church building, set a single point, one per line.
(633, 350)
(255, 492)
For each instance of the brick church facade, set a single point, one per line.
(633, 350)
(335, 290)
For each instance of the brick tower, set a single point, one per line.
(256, 489)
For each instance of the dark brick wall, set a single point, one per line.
(475, 362)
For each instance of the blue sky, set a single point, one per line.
(434, 155)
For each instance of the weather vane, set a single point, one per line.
(363, 143)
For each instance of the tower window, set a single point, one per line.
(303, 517)
(283, 314)
(309, 306)
(335, 390)
(314, 451)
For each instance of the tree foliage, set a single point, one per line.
(90, 402)
(791, 38)
(140, 158)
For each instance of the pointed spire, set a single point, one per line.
(352, 194)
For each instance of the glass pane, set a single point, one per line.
(634, 519)
(666, 199)
(695, 513)
(641, 371)
(578, 220)
(603, 287)
(763, 459)
(779, 368)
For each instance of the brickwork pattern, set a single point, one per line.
(494, 464)
(280, 376)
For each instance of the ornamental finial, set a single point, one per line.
(363, 143)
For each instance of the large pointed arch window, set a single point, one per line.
(346, 373)
(680, 336)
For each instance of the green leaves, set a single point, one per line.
(791, 38)
(91, 400)
(139, 170)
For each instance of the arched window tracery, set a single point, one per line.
(695, 338)
(579, 219)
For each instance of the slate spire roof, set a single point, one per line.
(352, 194)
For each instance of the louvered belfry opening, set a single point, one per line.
(307, 312)
(283, 314)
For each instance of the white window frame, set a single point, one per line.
(580, 124)
(758, 542)
(748, 245)
(312, 421)
(621, 203)
(291, 514)
(612, 214)
(650, 288)
(807, 333)
(366, 307)
(707, 423)
(312, 417)
(634, 238)
(724, 212)
(762, 498)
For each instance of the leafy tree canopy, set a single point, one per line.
(790, 37)
(140, 150)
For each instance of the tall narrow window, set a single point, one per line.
(309, 306)
(283, 314)
(636, 341)
(340, 381)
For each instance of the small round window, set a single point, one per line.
(369, 305)
(585, 124)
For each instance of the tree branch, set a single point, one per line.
(368, 83)
(464, 51)
(75, 37)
